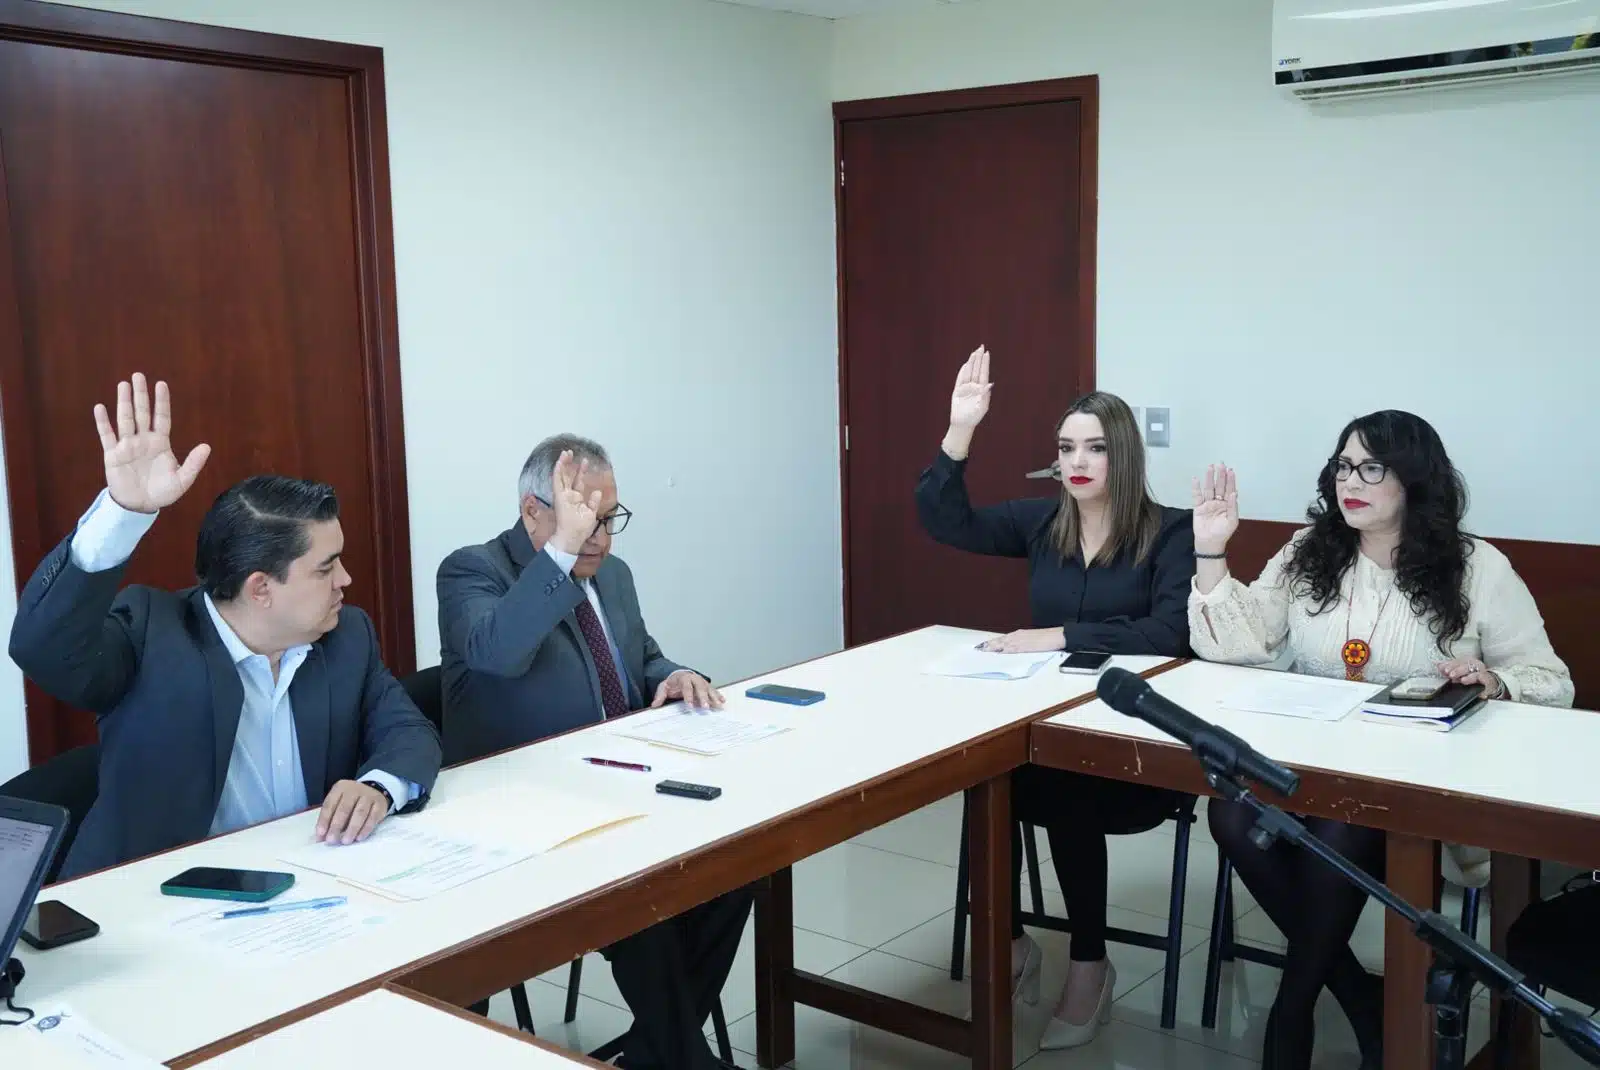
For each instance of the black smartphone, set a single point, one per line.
(1087, 661)
(51, 924)
(792, 696)
(246, 885)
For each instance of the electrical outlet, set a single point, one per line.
(1157, 427)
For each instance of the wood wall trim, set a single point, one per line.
(1564, 578)
(361, 68)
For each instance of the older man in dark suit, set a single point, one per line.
(244, 699)
(540, 632)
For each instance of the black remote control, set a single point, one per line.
(703, 792)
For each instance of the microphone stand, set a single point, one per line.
(1458, 960)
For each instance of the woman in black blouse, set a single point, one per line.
(1108, 570)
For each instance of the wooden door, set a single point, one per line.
(209, 207)
(964, 218)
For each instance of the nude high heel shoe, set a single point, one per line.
(1064, 1034)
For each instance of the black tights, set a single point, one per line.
(1078, 811)
(1317, 910)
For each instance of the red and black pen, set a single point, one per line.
(612, 763)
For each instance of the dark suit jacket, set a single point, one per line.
(167, 697)
(516, 668)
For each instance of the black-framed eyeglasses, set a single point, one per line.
(1371, 472)
(613, 521)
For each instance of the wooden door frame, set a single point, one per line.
(1085, 90)
(361, 69)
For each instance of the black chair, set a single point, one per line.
(426, 688)
(1555, 942)
(70, 780)
(1224, 948)
(1170, 943)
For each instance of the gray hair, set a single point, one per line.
(538, 471)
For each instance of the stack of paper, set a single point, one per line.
(968, 660)
(1289, 695)
(696, 731)
(460, 839)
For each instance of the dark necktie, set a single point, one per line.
(612, 695)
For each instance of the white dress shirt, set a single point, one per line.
(265, 779)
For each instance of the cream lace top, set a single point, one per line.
(1251, 625)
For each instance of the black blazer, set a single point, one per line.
(1123, 607)
(516, 667)
(150, 665)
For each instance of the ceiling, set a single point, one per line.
(841, 9)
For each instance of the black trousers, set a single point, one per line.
(671, 976)
(1078, 811)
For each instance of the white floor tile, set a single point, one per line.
(865, 896)
(932, 834)
(1121, 1046)
(595, 1024)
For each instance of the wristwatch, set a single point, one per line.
(381, 790)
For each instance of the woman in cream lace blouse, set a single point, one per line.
(1382, 586)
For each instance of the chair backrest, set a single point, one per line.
(426, 688)
(70, 780)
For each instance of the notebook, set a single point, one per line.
(1450, 707)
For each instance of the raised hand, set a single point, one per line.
(969, 402)
(1216, 510)
(577, 508)
(142, 473)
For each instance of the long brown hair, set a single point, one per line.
(1135, 516)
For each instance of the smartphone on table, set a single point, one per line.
(244, 885)
(793, 696)
(52, 924)
(1087, 662)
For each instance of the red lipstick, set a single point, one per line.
(1079, 481)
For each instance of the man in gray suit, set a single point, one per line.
(540, 632)
(244, 699)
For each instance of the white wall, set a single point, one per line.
(614, 218)
(1269, 270)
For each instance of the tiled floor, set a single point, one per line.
(877, 912)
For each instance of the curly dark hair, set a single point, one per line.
(1431, 561)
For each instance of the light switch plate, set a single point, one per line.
(1157, 427)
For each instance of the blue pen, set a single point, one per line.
(279, 908)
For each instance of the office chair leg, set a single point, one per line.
(1221, 943)
(1180, 882)
(719, 1025)
(1470, 898)
(1030, 852)
(958, 938)
(574, 979)
(519, 1005)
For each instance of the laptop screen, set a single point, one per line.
(22, 852)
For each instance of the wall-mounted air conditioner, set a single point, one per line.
(1324, 49)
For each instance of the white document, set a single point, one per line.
(58, 1038)
(273, 939)
(459, 839)
(968, 660)
(1290, 695)
(696, 731)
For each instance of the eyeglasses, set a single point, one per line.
(613, 521)
(1371, 472)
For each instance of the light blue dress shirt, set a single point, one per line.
(265, 779)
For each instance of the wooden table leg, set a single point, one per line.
(989, 851)
(1513, 884)
(1413, 872)
(775, 969)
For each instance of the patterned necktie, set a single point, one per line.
(612, 695)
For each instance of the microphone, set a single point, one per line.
(1219, 750)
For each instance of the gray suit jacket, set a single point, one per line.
(167, 697)
(516, 668)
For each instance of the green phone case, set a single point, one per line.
(186, 892)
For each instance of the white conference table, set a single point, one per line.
(1516, 779)
(887, 740)
(388, 1028)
